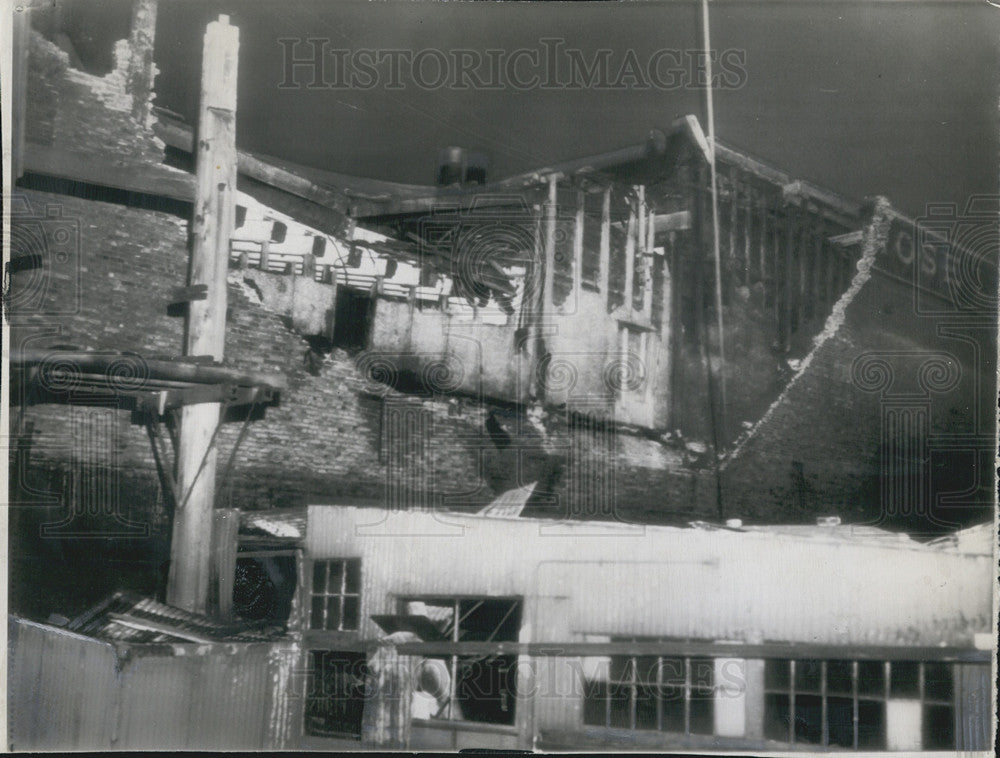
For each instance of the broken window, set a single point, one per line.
(353, 315)
(264, 586)
(336, 595)
(880, 705)
(335, 694)
(659, 693)
(467, 688)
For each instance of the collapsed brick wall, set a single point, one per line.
(83, 113)
(834, 441)
(325, 439)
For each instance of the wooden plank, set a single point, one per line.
(20, 39)
(640, 241)
(180, 137)
(733, 216)
(793, 651)
(225, 539)
(211, 230)
(550, 243)
(146, 178)
(605, 259)
(578, 247)
(649, 242)
(747, 235)
(763, 238)
(145, 625)
(629, 260)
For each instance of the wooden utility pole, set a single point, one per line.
(211, 229)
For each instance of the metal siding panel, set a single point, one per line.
(61, 689)
(681, 582)
(66, 691)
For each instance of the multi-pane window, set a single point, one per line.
(335, 694)
(336, 595)
(860, 704)
(469, 688)
(664, 693)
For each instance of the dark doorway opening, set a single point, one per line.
(353, 318)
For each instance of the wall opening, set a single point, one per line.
(264, 587)
(353, 316)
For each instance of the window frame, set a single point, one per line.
(451, 715)
(309, 697)
(326, 595)
(689, 687)
(883, 697)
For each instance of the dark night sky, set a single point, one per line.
(894, 98)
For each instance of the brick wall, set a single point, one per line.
(885, 388)
(325, 439)
(85, 113)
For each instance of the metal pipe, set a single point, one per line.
(170, 370)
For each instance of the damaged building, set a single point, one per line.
(455, 420)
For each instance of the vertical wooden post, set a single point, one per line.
(747, 236)
(605, 274)
(816, 285)
(630, 260)
(550, 243)
(211, 227)
(578, 248)
(763, 239)
(733, 217)
(20, 41)
(641, 244)
(789, 285)
(648, 243)
(225, 533)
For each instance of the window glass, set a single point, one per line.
(808, 675)
(905, 679)
(839, 677)
(938, 682)
(871, 678)
(335, 604)
(938, 727)
(672, 694)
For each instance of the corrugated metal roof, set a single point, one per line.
(510, 503)
(285, 524)
(127, 617)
